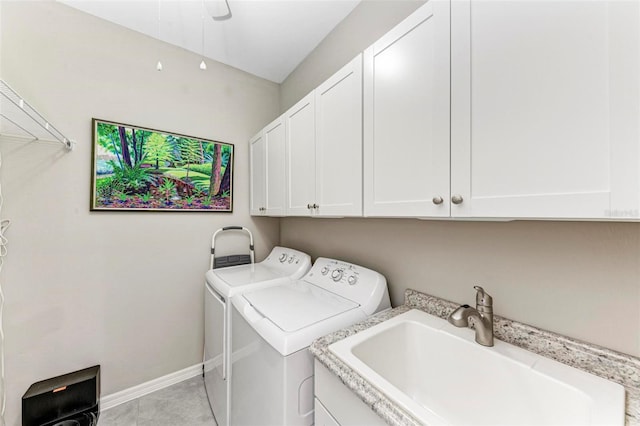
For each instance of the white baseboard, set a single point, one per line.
(110, 401)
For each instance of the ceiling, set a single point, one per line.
(267, 38)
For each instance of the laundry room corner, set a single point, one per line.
(119, 289)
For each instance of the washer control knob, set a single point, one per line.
(352, 279)
(337, 274)
(325, 270)
(283, 257)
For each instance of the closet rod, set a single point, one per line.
(17, 103)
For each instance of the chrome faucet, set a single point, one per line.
(481, 317)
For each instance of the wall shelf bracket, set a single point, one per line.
(20, 120)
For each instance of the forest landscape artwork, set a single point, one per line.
(140, 169)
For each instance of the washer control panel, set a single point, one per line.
(288, 261)
(350, 281)
(289, 258)
(338, 272)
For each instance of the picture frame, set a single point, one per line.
(142, 169)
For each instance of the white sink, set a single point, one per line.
(440, 375)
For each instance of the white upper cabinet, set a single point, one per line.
(338, 104)
(324, 147)
(545, 114)
(517, 109)
(257, 167)
(267, 158)
(406, 117)
(301, 167)
(275, 182)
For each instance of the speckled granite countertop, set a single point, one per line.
(611, 365)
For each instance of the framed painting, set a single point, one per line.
(140, 169)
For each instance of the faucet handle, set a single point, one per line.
(483, 298)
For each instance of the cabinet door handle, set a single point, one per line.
(457, 199)
(437, 200)
(309, 206)
(315, 206)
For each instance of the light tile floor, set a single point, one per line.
(183, 404)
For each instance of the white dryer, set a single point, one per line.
(272, 381)
(282, 264)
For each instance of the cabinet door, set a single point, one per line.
(301, 163)
(274, 146)
(339, 402)
(545, 108)
(321, 417)
(339, 142)
(257, 164)
(406, 117)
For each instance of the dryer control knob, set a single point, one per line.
(325, 270)
(337, 274)
(283, 257)
(291, 259)
(352, 279)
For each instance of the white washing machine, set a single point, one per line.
(282, 264)
(272, 381)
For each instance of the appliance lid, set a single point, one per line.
(282, 264)
(236, 276)
(298, 304)
(225, 280)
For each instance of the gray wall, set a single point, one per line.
(578, 279)
(362, 27)
(123, 290)
(575, 278)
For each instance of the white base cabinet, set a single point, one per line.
(322, 416)
(337, 405)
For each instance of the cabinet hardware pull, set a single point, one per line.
(457, 199)
(309, 206)
(437, 200)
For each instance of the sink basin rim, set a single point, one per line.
(610, 396)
